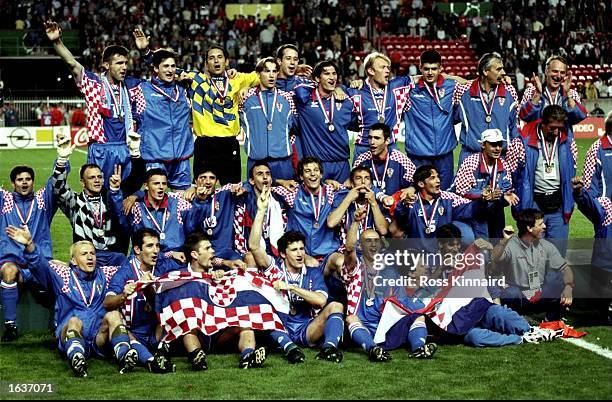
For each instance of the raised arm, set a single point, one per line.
(255, 244)
(54, 33)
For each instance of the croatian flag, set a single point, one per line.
(188, 301)
(455, 309)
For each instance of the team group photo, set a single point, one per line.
(374, 199)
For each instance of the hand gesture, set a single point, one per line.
(303, 70)
(370, 196)
(577, 183)
(508, 232)
(496, 194)
(128, 204)
(357, 84)
(334, 184)
(360, 214)
(353, 194)
(232, 73)
(281, 285)
(482, 244)
(290, 185)
(487, 193)
(133, 143)
(264, 199)
(115, 179)
(340, 94)
(142, 41)
(20, 235)
(147, 277)
(537, 83)
(512, 199)
(388, 202)
(129, 289)
(53, 30)
(179, 256)
(567, 83)
(64, 148)
(235, 264)
(409, 195)
(189, 194)
(217, 274)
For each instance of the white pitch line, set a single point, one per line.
(81, 151)
(607, 353)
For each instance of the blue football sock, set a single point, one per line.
(417, 335)
(120, 341)
(245, 352)
(361, 336)
(10, 295)
(143, 353)
(74, 343)
(282, 339)
(334, 328)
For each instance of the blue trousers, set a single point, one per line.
(557, 231)
(549, 301)
(445, 165)
(281, 168)
(179, 173)
(106, 156)
(338, 171)
(500, 326)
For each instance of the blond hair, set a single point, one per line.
(369, 60)
(78, 245)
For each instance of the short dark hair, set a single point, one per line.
(527, 218)
(87, 166)
(486, 60)
(110, 51)
(139, 235)
(280, 52)
(155, 172)
(430, 57)
(289, 238)
(257, 164)
(382, 126)
(261, 64)
(162, 54)
(422, 173)
(553, 113)
(19, 169)
(320, 66)
(360, 168)
(448, 232)
(203, 169)
(306, 160)
(192, 241)
(217, 46)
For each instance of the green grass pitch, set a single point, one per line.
(547, 371)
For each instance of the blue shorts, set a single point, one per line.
(106, 156)
(146, 336)
(338, 171)
(109, 258)
(297, 332)
(90, 331)
(281, 168)
(179, 173)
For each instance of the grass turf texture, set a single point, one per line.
(546, 371)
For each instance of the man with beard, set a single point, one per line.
(555, 91)
(486, 103)
(110, 122)
(138, 314)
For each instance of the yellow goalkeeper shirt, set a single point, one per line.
(215, 107)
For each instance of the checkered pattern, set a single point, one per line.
(510, 88)
(9, 202)
(515, 155)
(288, 196)
(183, 205)
(606, 203)
(460, 90)
(455, 198)
(90, 86)
(353, 282)
(407, 164)
(63, 271)
(402, 97)
(109, 271)
(136, 214)
(466, 178)
(574, 151)
(575, 96)
(137, 97)
(590, 163)
(240, 240)
(528, 94)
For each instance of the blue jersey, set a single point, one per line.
(141, 317)
(289, 84)
(267, 117)
(78, 294)
(414, 219)
(215, 217)
(315, 122)
(172, 219)
(474, 175)
(597, 172)
(429, 116)
(347, 220)
(369, 105)
(308, 214)
(36, 210)
(391, 174)
(599, 212)
(162, 113)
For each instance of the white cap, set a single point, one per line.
(492, 135)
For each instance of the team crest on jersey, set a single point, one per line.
(441, 211)
(99, 288)
(217, 205)
(338, 106)
(390, 172)
(279, 107)
(501, 101)
(441, 92)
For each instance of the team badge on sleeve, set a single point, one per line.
(441, 92)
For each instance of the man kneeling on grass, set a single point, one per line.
(83, 325)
